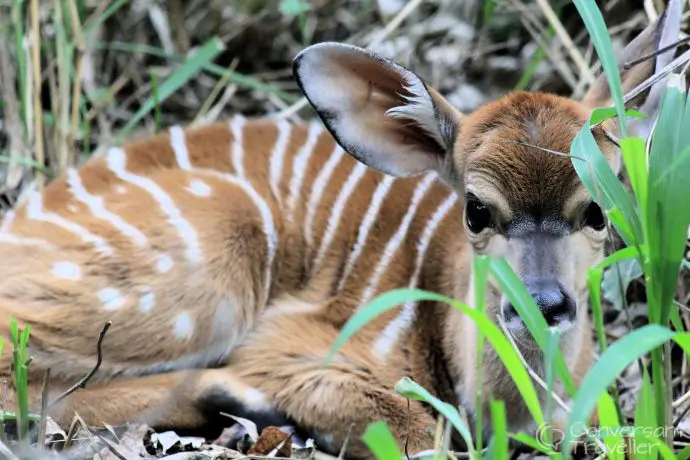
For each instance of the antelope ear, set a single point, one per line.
(379, 112)
(659, 34)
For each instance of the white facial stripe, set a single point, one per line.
(237, 155)
(336, 213)
(278, 156)
(96, 205)
(320, 183)
(179, 146)
(369, 219)
(399, 236)
(117, 164)
(299, 167)
(34, 211)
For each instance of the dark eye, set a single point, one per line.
(477, 214)
(594, 217)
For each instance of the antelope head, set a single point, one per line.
(522, 199)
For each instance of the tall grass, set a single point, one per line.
(653, 221)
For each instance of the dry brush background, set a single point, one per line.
(102, 64)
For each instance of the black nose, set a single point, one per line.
(555, 304)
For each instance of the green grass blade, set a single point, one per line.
(412, 390)
(604, 113)
(645, 417)
(177, 79)
(499, 441)
(611, 363)
(537, 444)
(594, 21)
(493, 334)
(600, 180)
(381, 442)
(610, 426)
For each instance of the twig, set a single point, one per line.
(38, 109)
(634, 62)
(575, 54)
(343, 449)
(44, 411)
(82, 383)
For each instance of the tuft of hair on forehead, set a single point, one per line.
(509, 141)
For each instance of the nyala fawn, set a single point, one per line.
(228, 257)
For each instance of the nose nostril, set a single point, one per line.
(556, 306)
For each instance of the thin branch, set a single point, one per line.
(634, 62)
(99, 359)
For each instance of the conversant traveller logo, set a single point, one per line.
(598, 440)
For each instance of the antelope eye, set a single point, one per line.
(594, 217)
(477, 214)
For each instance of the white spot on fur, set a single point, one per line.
(369, 219)
(337, 212)
(117, 163)
(147, 300)
(391, 333)
(179, 146)
(399, 236)
(34, 211)
(121, 189)
(317, 188)
(199, 188)
(67, 270)
(299, 166)
(184, 326)
(278, 156)
(164, 263)
(253, 398)
(97, 207)
(237, 154)
(111, 298)
(72, 208)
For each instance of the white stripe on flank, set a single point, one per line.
(34, 211)
(237, 153)
(117, 163)
(369, 219)
(384, 343)
(397, 239)
(8, 238)
(278, 156)
(337, 212)
(97, 208)
(266, 217)
(317, 188)
(179, 146)
(299, 166)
